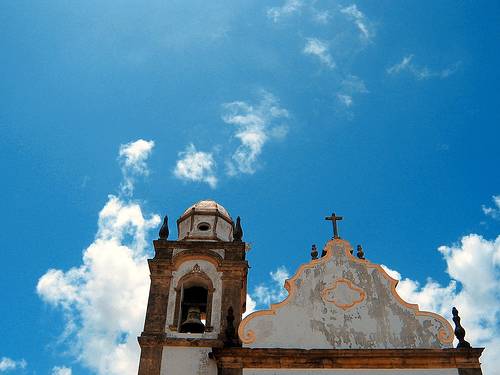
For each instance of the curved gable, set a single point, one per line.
(342, 302)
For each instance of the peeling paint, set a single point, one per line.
(307, 319)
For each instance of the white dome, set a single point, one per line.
(207, 206)
(205, 221)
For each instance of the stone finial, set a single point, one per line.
(230, 330)
(163, 234)
(359, 252)
(237, 231)
(314, 252)
(459, 330)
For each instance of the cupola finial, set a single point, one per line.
(459, 330)
(238, 231)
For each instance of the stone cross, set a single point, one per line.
(334, 218)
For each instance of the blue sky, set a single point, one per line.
(283, 111)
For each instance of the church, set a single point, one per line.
(342, 315)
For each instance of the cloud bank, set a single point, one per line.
(104, 299)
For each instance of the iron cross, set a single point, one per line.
(334, 218)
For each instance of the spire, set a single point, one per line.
(163, 234)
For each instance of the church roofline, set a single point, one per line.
(445, 335)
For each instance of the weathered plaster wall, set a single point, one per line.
(342, 302)
(216, 278)
(187, 361)
(351, 372)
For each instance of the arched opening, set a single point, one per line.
(193, 303)
(194, 309)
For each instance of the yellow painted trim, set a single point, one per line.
(445, 334)
(351, 286)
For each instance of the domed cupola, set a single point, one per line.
(205, 221)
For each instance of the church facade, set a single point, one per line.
(342, 314)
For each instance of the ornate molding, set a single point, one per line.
(337, 284)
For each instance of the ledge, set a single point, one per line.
(347, 358)
(163, 340)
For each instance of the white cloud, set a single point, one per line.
(346, 100)
(132, 157)
(321, 16)
(421, 72)
(288, 8)
(473, 266)
(8, 364)
(360, 20)
(255, 126)
(250, 305)
(493, 212)
(265, 294)
(61, 370)
(349, 87)
(319, 48)
(103, 300)
(403, 65)
(196, 165)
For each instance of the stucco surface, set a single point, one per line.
(187, 361)
(342, 302)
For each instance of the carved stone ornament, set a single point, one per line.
(196, 268)
(343, 294)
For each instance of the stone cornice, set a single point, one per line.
(347, 358)
(210, 245)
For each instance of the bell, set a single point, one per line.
(193, 324)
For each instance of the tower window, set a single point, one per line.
(203, 227)
(193, 303)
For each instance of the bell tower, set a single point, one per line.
(197, 294)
